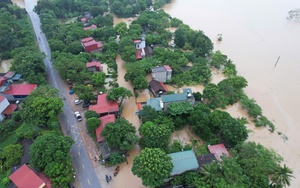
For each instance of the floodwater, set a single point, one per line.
(19, 3)
(255, 33)
(126, 20)
(5, 65)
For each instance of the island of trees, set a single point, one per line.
(192, 60)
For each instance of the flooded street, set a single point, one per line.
(255, 33)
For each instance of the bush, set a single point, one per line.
(116, 158)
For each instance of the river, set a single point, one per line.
(255, 33)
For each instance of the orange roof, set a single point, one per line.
(139, 106)
(24, 177)
(83, 19)
(104, 106)
(104, 120)
(218, 150)
(90, 27)
(46, 179)
(1, 98)
(20, 89)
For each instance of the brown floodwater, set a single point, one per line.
(255, 33)
(19, 3)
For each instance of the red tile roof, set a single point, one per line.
(218, 150)
(46, 179)
(10, 109)
(87, 39)
(94, 64)
(24, 177)
(139, 105)
(20, 89)
(138, 54)
(104, 120)
(104, 106)
(90, 27)
(1, 98)
(90, 44)
(83, 19)
(2, 80)
(9, 74)
(137, 41)
(168, 68)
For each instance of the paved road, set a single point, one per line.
(85, 172)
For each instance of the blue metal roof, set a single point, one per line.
(154, 103)
(176, 97)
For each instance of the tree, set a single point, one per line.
(155, 135)
(148, 113)
(50, 153)
(218, 59)
(128, 53)
(98, 78)
(140, 82)
(120, 134)
(180, 37)
(90, 114)
(42, 108)
(84, 92)
(12, 154)
(281, 176)
(182, 108)
(118, 93)
(125, 41)
(153, 166)
(121, 28)
(92, 124)
(213, 97)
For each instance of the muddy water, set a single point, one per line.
(19, 3)
(5, 65)
(125, 177)
(126, 20)
(255, 33)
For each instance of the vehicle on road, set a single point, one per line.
(78, 116)
(77, 102)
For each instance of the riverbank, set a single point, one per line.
(254, 43)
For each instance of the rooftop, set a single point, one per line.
(138, 54)
(205, 159)
(157, 86)
(104, 120)
(167, 67)
(9, 74)
(20, 89)
(183, 161)
(2, 98)
(10, 109)
(154, 103)
(176, 97)
(104, 106)
(24, 177)
(90, 27)
(218, 150)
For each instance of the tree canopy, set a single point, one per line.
(120, 134)
(118, 93)
(50, 153)
(153, 166)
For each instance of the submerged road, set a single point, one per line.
(85, 172)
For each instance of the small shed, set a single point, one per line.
(218, 150)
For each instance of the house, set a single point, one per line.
(155, 103)
(105, 107)
(19, 91)
(183, 162)
(186, 96)
(94, 66)
(205, 159)
(143, 96)
(45, 179)
(110, 118)
(3, 105)
(142, 50)
(138, 54)
(157, 88)
(24, 177)
(93, 26)
(9, 75)
(139, 43)
(9, 110)
(218, 150)
(90, 45)
(162, 73)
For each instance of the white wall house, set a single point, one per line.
(3, 105)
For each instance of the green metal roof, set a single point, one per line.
(183, 161)
(176, 97)
(154, 103)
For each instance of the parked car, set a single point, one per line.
(86, 104)
(78, 116)
(77, 102)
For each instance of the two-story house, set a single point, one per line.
(90, 45)
(162, 73)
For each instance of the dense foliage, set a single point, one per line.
(119, 94)
(153, 166)
(50, 154)
(120, 134)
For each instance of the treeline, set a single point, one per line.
(128, 8)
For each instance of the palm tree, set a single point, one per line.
(209, 172)
(281, 176)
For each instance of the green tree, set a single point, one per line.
(50, 153)
(155, 135)
(118, 93)
(84, 92)
(98, 78)
(148, 113)
(128, 53)
(180, 37)
(153, 166)
(121, 28)
(12, 154)
(125, 41)
(115, 158)
(213, 97)
(140, 82)
(281, 176)
(92, 124)
(182, 108)
(120, 134)
(90, 114)
(218, 59)
(42, 108)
